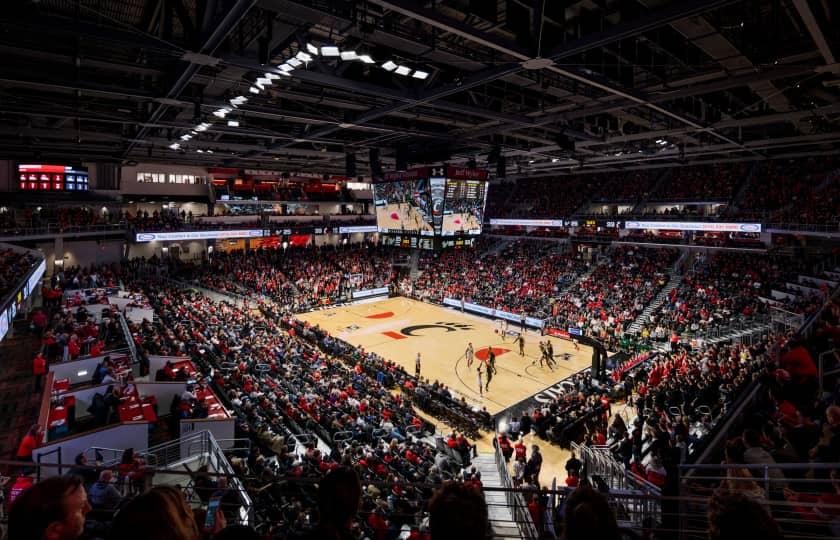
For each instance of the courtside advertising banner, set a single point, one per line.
(200, 235)
(490, 312)
(369, 292)
(694, 226)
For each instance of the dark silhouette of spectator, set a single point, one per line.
(103, 494)
(339, 499)
(735, 516)
(81, 469)
(458, 512)
(588, 515)
(161, 513)
(237, 532)
(53, 509)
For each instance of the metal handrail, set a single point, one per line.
(515, 500)
(132, 348)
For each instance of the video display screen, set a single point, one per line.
(463, 209)
(404, 206)
(39, 177)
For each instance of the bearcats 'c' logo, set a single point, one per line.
(448, 326)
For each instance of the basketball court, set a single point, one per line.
(460, 222)
(401, 217)
(399, 328)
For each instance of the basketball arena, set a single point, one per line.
(403, 270)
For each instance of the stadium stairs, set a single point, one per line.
(663, 179)
(414, 268)
(676, 274)
(733, 207)
(498, 247)
(501, 518)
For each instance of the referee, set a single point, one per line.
(417, 366)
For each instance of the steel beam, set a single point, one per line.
(222, 30)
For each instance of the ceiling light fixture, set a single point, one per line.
(233, 123)
(200, 151)
(285, 68)
(303, 56)
(254, 90)
(221, 113)
(271, 76)
(389, 66)
(312, 49)
(367, 59)
(330, 50)
(349, 55)
(174, 146)
(293, 62)
(419, 74)
(403, 70)
(186, 137)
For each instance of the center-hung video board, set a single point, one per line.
(431, 202)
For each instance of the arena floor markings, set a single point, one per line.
(399, 328)
(460, 222)
(401, 216)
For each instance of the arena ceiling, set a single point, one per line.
(552, 85)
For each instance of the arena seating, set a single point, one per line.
(297, 277)
(13, 268)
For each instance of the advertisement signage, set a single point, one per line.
(199, 235)
(694, 226)
(357, 229)
(490, 312)
(528, 222)
(367, 293)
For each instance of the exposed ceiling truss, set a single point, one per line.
(554, 86)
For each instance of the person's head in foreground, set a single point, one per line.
(588, 516)
(339, 499)
(161, 513)
(458, 512)
(734, 516)
(53, 509)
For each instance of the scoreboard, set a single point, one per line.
(430, 202)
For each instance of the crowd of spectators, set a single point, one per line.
(522, 276)
(297, 277)
(702, 182)
(285, 379)
(13, 267)
(728, 288)
(604, 303)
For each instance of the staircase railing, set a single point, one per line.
(515, 500)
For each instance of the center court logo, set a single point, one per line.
(418, 330)
(447, 326)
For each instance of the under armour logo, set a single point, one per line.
(437, 171)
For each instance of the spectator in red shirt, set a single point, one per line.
(27, 445)
(39, 369)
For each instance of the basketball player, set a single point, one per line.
(504, 328)
(575, 344)
(491, 368)
(478, 378)
(522, 321)
(468, 354)
(417, 366)
(521, 341)
(542, 354)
